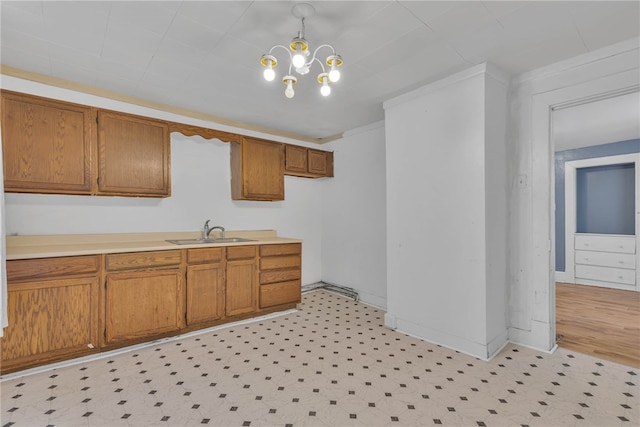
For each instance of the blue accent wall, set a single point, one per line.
(612, 149)
(606, 199)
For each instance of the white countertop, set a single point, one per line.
(56, 245)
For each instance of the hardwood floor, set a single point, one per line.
(599, 321)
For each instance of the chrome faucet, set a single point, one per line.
(207, 231)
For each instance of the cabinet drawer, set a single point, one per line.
(204, 255)
(51, 267)
(280, 249)
(241, 252)
(280, 293)
(605, 243)
(606, 259)
(276, 262)
(606, 274)
(142, 260)
(273, 276)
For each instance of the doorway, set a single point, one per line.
(597, 303)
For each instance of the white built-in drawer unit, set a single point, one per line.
(603, 259)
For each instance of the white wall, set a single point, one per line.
(610, 70)
(354, 215)
(445, 199)
(200, 173)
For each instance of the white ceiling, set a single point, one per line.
(204, 56)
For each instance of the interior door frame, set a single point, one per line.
(543, 286)
(570, 200)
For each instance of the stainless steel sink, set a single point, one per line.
(201, 241)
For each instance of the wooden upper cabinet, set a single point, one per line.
(46, 145)
(52, 146)
(295, 159)
(133, 155)
(317, 162)
(307, 162)
(257, 170)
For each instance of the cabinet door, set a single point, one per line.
(295, 159)
(257, 170)
(133, 155)
(50, 320)
(142, 304)
(46, 145)
(205, 296)
(241, 293)
(317, 162)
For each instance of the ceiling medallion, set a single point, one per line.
(299, 60)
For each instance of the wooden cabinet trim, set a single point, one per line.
(190, 130)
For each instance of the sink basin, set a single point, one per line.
(201, 241)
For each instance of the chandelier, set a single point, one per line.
(300, 58)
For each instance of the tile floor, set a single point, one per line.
(332, 363)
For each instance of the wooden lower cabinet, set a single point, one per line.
(141, 305)
(52, 306)
(143, 296)
(280, 274)
(205, 285)
(64, 307)
(242, 281)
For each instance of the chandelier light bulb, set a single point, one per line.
(289, 92)
(334, 75)
(298, 59)
(269, 62)
(334, 61)
(289, 81)
(323, 79)
(269, 74)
